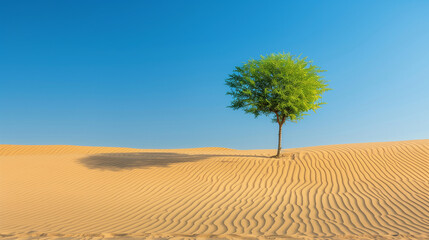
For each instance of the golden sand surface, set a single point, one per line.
(349, 191)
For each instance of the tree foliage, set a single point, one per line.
(282, 85)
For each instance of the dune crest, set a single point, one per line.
(353, 191)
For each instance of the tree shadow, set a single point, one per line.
(135, 160)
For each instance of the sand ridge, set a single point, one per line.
(353, 191)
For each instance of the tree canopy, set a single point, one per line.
(280, 84)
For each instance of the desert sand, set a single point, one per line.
(350, 191)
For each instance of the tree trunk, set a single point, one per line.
(279, 147)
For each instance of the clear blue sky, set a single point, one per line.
(150, 74)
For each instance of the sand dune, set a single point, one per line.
(351, 191)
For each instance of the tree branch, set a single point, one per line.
(278, 118)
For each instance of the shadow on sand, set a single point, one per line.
(128, 161)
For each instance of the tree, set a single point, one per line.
(281, 85)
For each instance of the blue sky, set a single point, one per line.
(151, 74)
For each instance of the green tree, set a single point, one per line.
(282, 86)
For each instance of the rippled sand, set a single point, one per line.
(350, 191)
